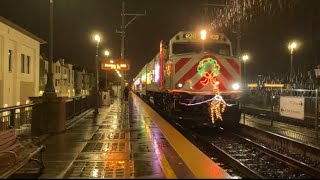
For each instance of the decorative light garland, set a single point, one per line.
(217, 103)
(236, 11)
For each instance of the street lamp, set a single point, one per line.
(96, 109)
(106, 53)
(292, 46)
(245, 58)
(49, 88)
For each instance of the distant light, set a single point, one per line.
(245, 57)
(203, 34)
(180, 85)
(292, 46)
(111, 61)
(107, 53)
(97, 38)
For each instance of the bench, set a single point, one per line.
(13, 155)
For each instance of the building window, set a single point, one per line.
(22, 63)
(28, 64)
(10, 60)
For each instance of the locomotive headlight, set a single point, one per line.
(235, 86)
(180, 85)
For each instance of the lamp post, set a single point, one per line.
(245, 58)
(107, 54)
(292, 46)
(49, 89)
(96, 109)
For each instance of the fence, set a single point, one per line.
(20, 117)
(266, 103)
(77, 105)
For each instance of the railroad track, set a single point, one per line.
(256, 160)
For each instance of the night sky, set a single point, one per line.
(75, 22)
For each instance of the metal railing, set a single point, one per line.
(79, 104)
(266, 103)
(18, 117)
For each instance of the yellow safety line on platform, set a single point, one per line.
(166, 167)
(200, 165)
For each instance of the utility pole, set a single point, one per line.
(123, 35)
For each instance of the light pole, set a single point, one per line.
(49, 89)
(96, 109)
(245, 58)
(292, 46)
(107, 54)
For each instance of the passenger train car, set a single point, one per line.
(194, 81)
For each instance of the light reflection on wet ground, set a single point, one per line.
(118, 143)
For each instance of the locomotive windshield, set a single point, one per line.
(191, 47)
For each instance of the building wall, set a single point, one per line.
(18, 43)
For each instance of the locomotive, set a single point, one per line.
(193, 79)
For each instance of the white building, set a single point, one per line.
(63, 77)
(19, 64)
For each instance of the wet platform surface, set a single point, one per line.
(101, 147)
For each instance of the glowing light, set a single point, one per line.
(149, 78)
(169, 68)
(274, 85)
(107, 53)
(211, 74)
(292, 45)
(203, 34)
(161, 64)
(180, 85)
(144, 77)
(157, 73)
(252, 85)
(111, 61)
(95, 173)
(236, 86)
(245, 57)
(97, 38)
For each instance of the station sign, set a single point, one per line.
(292, 107)
(115, 66)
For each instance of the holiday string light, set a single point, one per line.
(236, 11)
(217, 103)
(211, 75)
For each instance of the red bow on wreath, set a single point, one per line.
(210, 77)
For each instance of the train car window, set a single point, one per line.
(218, 48)
(182, 48)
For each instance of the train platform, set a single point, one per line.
(125, 140)
(297, 133)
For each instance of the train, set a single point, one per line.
(194, 79)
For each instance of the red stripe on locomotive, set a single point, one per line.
(181, 63)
